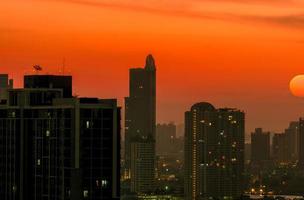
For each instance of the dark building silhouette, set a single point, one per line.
(214, 152)
(292, 140)
(5, 84)
(260, 146)
(50, 81)
(285, 146)
(279, 148)
(58, 148)
(140, 117)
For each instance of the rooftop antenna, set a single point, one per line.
(37, 68)
(63, 66)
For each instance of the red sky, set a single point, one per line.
(232, 53)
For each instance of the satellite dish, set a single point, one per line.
(37, 68)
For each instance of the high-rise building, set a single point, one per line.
(301, 143)
(279, 148)
(58, 148)
(214, 152)
(5, 84)
(260, 146)
(292, 139)
(140, 119)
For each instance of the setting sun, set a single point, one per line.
(297, 86)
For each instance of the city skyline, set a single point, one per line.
(220, 54)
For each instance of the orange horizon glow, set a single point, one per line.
(231, 53)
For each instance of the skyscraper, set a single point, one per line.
(140, 119)
(58, 148)
(260, 146)
(214, 152)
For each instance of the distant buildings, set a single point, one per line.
(52, 147)
(285, 146)
(167, 143)
(214, 152)
(140, 122)
(260, 147)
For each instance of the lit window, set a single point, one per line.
(47, 133)
(38, 162)
(88, 124)
(85, 193)
(104, 183)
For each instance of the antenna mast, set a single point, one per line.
(63, 66)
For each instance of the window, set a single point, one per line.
(104, 183)
(85, 193)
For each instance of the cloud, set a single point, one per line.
(182, 8)
(290, 21)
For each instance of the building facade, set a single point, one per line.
(58, 148)
(214, 152)
(140, 122)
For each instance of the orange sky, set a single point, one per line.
(237, 53)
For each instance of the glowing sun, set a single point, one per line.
(296, 86)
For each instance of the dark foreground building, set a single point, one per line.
(214, 152)
(50, 81)
(54, 148)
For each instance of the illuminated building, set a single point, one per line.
(140, 122)
(214, 152)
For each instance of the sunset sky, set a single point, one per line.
(231, 53)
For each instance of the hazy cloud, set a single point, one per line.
(183, 9)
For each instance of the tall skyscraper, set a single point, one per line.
(58, 148)
(140, 119)
(260, 146)
(214, 152)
